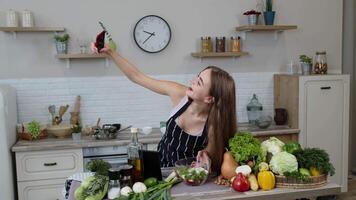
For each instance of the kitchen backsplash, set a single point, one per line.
(116, 99)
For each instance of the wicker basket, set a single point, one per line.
(315, 182)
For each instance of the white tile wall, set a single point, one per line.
(116, 99)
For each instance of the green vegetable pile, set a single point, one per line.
(299, 176)
(159, 191)
(98, 166)
(92, 188)
(244, 147)
(317, 158)
(292, 147)
(193, 174)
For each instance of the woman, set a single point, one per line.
(204, 114)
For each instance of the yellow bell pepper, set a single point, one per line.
(266, 180)
(314, 171)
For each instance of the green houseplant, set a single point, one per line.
(305, 64)
(62, 43)
(269, 13)
(32, 131)
(76, 131)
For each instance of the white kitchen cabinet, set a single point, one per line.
(42, 174)
(41, 190)
(319, 106)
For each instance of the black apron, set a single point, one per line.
(177, 144)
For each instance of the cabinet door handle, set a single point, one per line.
(325, 88)
(50, 164)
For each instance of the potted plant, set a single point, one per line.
(31, 131)
(269, 13)
(62, 43)
(306, 64)
(252, 17)
(76, 131)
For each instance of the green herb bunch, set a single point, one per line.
(305, 59)
(34, 128)
(268, 5)
(98, 166)
(315, 157)
(60, 38)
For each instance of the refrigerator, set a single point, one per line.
(8, 121)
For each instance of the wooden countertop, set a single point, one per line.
(210, 191)
(123, 139)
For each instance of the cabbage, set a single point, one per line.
(273, 145)
(283, 162)
(92, 188)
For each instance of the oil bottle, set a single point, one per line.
(134, 156)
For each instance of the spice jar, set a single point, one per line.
(320, 65)
(235, 44)
(114, 183)
(220, 44)
(206, 45)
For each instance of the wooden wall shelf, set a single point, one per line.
(266, 28)
(80, 56)
(32, 29)
(70, 56)
(218, 54)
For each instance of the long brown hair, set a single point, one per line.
(222, 122)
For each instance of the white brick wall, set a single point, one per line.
(116, 99)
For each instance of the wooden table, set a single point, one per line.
(210, 191)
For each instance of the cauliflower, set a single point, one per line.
(273, 145)
(139, 187)
(125, 191)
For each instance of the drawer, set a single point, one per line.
(41, 190)
(39, 165)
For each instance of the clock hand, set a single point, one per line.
(152, 34)
(147, 32)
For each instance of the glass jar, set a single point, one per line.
(320, 64)
(206, 45)
(254, 109)
(134, 156)
(220, 44)
(126, 175)
(235, 44)
(114, 183)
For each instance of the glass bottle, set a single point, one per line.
(320, 65)
(254, 108)
(114, 183)
(134, 156)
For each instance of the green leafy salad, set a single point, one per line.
(193, 175)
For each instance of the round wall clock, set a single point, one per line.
(152, 34)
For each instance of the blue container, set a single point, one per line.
(269, 17)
